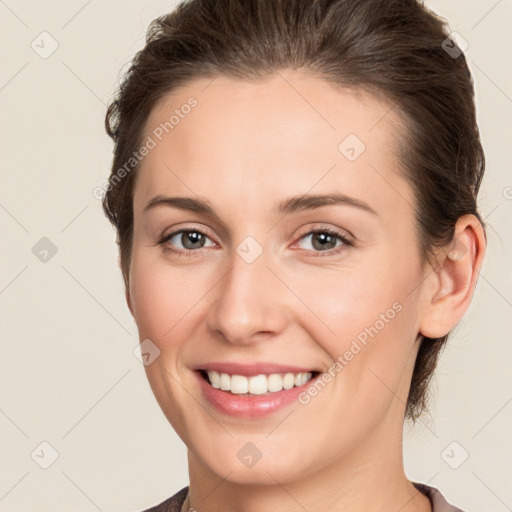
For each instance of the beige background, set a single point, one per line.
(68, 373)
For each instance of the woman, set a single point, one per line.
(294, 190)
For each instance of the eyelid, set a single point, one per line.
(321, 228)
(202, 229)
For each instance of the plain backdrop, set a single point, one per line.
(73, 396)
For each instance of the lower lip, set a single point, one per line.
(253, 406)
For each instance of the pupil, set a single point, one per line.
(191, 238)
(324, 238)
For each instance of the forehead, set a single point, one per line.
(283, 134)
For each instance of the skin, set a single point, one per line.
(244, 148)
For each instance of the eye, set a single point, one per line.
(326, 240)
(186, 241)
(190, 240)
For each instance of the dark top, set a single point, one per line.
(437, 500)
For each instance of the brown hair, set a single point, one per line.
(396, 48)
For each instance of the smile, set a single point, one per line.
(253, 389)
(257, 384)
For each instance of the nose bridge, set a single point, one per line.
(247, 300)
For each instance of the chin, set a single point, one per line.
(254, 463)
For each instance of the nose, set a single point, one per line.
(251, 303)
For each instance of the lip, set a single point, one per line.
(254, 406)
(252, 369)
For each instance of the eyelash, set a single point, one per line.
(187, 253)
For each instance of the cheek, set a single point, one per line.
(163, 295)
(364, 318)
(164, 303)
(348, 301)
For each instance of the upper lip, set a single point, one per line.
(251, 369)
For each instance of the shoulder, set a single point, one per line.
(172, 504)
(438, 501)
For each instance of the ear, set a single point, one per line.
(452, 284)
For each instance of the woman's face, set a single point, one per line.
(254, 282)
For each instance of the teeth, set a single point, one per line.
(275, 382)
(259, 384)
(225, 382)
(289, 380)
(239, 384)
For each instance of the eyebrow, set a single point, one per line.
(290, 205)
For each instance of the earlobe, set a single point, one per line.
(455, 279)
